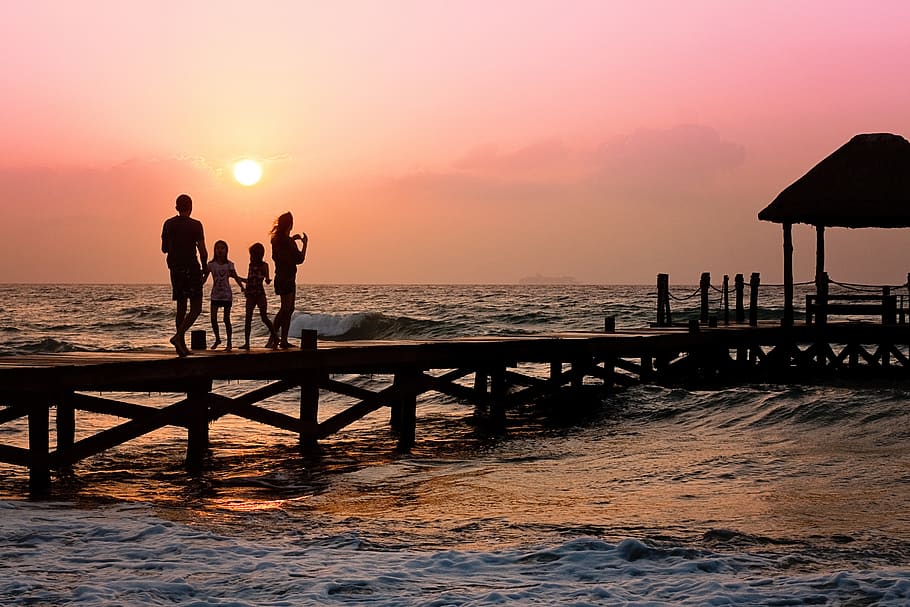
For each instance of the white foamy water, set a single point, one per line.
(125, 555)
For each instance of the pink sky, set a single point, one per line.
(431, 142)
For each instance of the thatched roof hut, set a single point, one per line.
(863, 184)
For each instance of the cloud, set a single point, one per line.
(547, 157)
(652, 162)
(647, 165)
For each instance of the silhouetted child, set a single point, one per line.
(222, 270)
(255, 294)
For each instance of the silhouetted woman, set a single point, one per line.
(287, 256)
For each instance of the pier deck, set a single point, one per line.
(490, 372)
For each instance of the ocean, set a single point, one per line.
(756, 494)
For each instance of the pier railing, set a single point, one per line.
(709, 304)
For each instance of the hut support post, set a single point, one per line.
(788, 275)
(819, 252)
(39, 475)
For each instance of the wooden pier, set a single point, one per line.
(493, 373)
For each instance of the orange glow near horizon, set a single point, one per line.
(441, 142)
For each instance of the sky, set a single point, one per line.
(434, 141)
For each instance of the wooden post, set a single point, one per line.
(647, 368)
(739, 288)
(704, 285)
(821, 299)
(819, 251)
(555, 376)
(579, 367)
(407, 406)
(754, 283)
(197, 418)
(788, 275)
(889, 307)
(609, 324)
(66, 424)
(887, 318)
(821, 319)
(309, 408)
(726, 299)
(609, 372)
(39, 474)
(197, 340)
(309, 395)
(663, 301)
(481, 381)
(308, 338)
(908, 294)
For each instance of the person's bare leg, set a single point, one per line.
(247, 324)
(181, 313)
(287, 307)
(213, 313)
(228, 328)
(268, 323)
(179, 339)
(179, 318)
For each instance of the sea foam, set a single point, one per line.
(125, 555)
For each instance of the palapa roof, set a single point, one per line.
(863, 184)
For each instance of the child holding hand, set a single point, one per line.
(222, 270)
(255, 295)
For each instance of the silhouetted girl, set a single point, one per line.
(287, 257)
(222, 270)
(255, 294)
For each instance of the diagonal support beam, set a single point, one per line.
(373, 402)
(248, 398)
(241, 408)
(106, 439)
(109, 406)
(12, 412)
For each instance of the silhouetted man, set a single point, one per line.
(181, 237)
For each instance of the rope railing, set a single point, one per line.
(713, 298)
(697, 291)
(864, 287)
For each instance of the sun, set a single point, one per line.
(247, 172)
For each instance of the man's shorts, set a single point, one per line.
(186, 283)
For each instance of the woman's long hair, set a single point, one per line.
(283, 225)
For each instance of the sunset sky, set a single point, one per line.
(437, 141)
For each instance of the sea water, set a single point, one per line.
(751, 494)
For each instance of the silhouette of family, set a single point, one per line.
(183, 241)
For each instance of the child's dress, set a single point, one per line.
(221, 288)
(254, 278)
